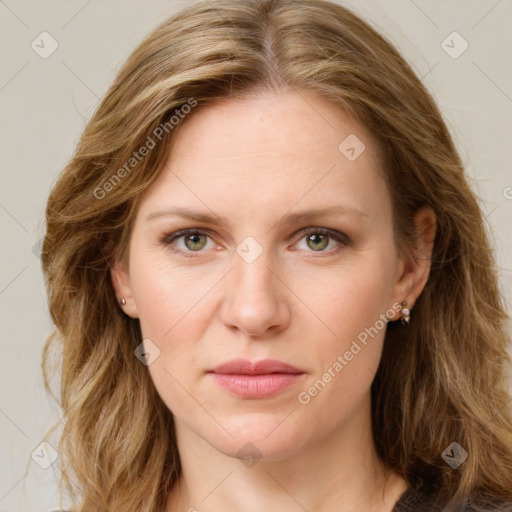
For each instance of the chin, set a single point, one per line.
(261, 436)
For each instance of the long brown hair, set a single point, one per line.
(441, 380)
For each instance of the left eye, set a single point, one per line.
(319, 240)
(194, 241)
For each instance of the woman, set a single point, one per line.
(271, 282)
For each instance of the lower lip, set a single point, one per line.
(256, 386)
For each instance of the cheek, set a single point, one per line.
(166, 296)
(340, 392)
(173, 310)
(349, 299)
(347, 355)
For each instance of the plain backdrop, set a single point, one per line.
(46, 102)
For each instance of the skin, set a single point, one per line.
(253, 161)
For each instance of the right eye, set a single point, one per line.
(192, 241)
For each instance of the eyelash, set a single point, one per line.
(169, 238)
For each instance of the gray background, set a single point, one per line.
(45, 104)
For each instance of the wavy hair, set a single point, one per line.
(441, 380)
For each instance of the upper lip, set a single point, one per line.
(262, 367)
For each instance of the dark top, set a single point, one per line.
(422, 500)
(416, 501)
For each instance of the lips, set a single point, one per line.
(259, 379)
(263, 367)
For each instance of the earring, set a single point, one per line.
(122, 302)
(406, 314)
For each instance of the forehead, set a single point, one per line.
(268, 148)
(305, 125)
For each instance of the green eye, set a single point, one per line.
(317, 241)
(195, 241)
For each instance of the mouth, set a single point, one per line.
(260, 379)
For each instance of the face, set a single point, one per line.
(289, 257)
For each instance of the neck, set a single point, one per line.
(341, 472)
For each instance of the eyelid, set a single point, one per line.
(174, 235)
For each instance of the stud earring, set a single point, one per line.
(406, 314)
(122, 302)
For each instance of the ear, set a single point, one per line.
(120, 277)
(414, 268)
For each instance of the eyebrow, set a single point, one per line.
(290, 218)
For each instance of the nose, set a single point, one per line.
(255, 300)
